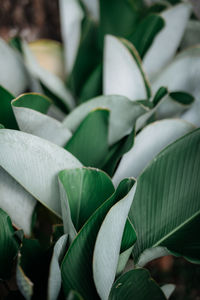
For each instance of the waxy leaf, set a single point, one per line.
(122, 70)
(34, 163)
(89, 142)
(108, 244)
(168, 39)
(16, 201)
(54, 281)
(31, 113)
(86, 189)
(136, 284)
(149, 142)
(77, 265)
(123, 115)
(166, 207)
(147, 29)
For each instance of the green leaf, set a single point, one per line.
(71, 16)
(128, 12)
(117, 151)
(123, 115)
(13, 75)
(77, 265)
(30, 111)
(86, 189)
(88, 56)
(93, 86)
(89, 142)
(182, 97)
(34, 163)
(149, 142)
(136, 284)
(8, 245)
(187, 82)
(166, 205)
(7, 117)
(54, 281)
(122, 70)
(48, 80)
(148, 28)
(162, 51)
(16, 201)
(108, 245)
(161, 93)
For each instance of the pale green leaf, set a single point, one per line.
(16, 201)
(122, 71)
(108, 244)
(168, 39)
(123, 115)
(35, 163)
(149, 142)
(31, 113)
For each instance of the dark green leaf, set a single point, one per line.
(160, 94)
(119, 18)
(117, 151)
(87, 57)
(33, 101)
(166, 207)
(182, 97)
(136, 284)
(86, 190)
(77, 265)
(8, 245)
(7, 117)
(89, 142)
(145, 33)
(93, 86)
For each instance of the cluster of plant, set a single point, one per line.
(99, 151)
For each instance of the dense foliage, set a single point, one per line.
(99, 151)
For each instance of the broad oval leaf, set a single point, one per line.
(108, 244)
(122, 72)
(30, 111)
(168, 39)
(35, 164)
(166, 205)
(123, 115)
(136, 284)
(86, 189)
(149, 142)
